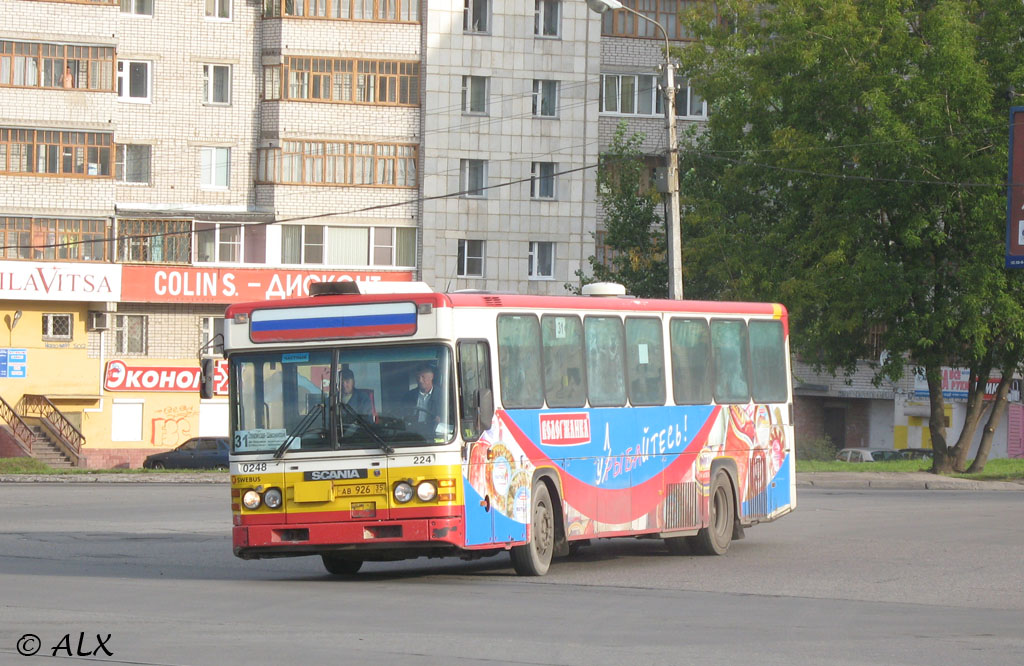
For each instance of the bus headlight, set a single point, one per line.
(251, 500)
(426, 491)
(403, 492)
(272, 498)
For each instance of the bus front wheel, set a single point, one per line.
(534, 558)
(715, 538)
(340, 566)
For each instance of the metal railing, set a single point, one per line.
(67, 434)
(22, 433)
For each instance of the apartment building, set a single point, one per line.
(161, 159)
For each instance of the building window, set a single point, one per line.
(56, 66)
(343, 80)
(218, 9)
(140, 7)
(53, 239)
(620, 23)
(208, 327)
(473, 178)
(348, 246)
(638, 94)
(216, 84)
(214, 168)
(133, 163)
(471, 258)
(55, 153)
(335, 163)
(302, 244)
(154, 241)
(545, 98)
(218, 242)
(393, 246)
(542, 180)
(398, 11)
(603, 252)
(541, 264)
(630, 94)
(130, 334)
(688, 103)
(57, 326)
(547, 15)
(133, 81)
(476, 16)
(474, 94)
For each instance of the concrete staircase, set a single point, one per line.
(46, 449)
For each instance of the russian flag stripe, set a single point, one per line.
(318, 323)
(334, 322)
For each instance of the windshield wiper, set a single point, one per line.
(300, 428)
(387, 448)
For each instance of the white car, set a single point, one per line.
(867, 455)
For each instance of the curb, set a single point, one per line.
(900, 481)
(209, 478)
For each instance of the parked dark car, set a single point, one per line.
(195, 453)
(916, 454)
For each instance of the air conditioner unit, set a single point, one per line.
(99, 321)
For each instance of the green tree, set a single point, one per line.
(853, 167)
(634, 233)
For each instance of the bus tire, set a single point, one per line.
(340, 566)
(534, 558)
(715, 538)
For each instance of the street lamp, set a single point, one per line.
(675, 266)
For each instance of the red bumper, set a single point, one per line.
(367, 534)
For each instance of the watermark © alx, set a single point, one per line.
(30, 644)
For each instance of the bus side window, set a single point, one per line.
(476, 405)
(564, 375)
(768, 362)
(606, 376)
(519, 361)
(690, 342)
(730, 354)
(645, 359)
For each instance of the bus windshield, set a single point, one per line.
(342, 398)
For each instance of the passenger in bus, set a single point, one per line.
(424, 404)
(360, 400)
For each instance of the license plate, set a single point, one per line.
(359, 489)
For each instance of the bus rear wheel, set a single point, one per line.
(534, 558)
(716, 537)
(340, 566)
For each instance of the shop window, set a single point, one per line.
(57, 326)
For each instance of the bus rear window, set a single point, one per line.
(768, 362)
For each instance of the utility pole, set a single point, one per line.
(674, 240)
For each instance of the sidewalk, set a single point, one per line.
(837, 480)
(899, 481)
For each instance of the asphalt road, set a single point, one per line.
(853, 577)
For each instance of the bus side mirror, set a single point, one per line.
(486, 409)
(209, 368)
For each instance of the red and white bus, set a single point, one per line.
(370, 427)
